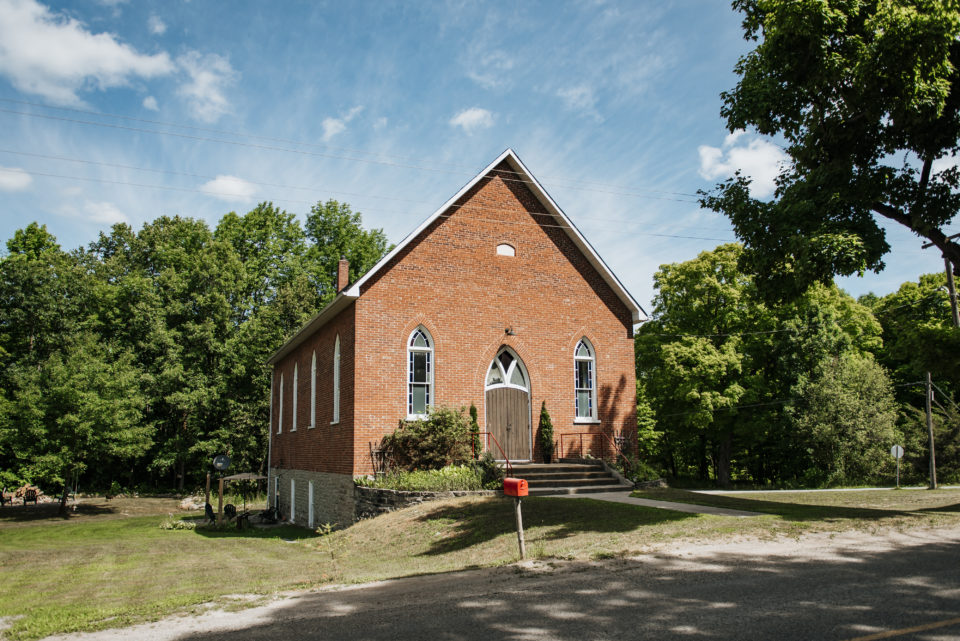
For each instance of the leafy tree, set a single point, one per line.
(719, 369)
(865, 96)
(847, 417)
(337, 231)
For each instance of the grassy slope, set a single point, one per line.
(108, 569)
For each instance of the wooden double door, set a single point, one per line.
(508, 407)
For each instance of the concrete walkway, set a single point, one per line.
(624, 497)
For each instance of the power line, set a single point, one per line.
(304, 143)
(302, 188)
(210, 192)
(316, 154)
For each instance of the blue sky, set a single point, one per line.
(124, 111)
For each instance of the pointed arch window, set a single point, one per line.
(585, 381)
(336, 381)
(507, 370)
(313, 390)
(419, 373)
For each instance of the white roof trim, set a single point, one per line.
(334, 307)
(637, 313)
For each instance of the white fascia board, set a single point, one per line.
(354, 289)
(579, 240)
(335, 306)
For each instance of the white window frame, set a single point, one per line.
(592, 383)
(336, 382)
(310, 504)
(431, 367)
(293, 499)
(280, 412)
(296, 389)
(507, 374)
(313, 391)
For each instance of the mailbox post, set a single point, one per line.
(517, 488)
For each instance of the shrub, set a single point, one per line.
(545, 433)
(441, 439)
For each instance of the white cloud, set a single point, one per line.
(582, 99)
(209, 78)
(14, 179)
(334, 126)
(758, 159)
(55, 56)
(490, 70)
(157, 26)
(380, 123)
(151, 103)
(472, 119)
(230, 189)
(104, 212)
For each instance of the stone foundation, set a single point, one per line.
(333, 500)
(370, 501)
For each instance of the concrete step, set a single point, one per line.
(535, 468)
(563, 476)
(538, 483)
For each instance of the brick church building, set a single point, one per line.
(497, 300)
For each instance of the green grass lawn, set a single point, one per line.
(109, 564)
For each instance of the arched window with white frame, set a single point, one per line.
(585, 381)
(313, 390)
(419, 373)
(336, 381)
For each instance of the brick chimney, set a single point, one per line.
(343, 273)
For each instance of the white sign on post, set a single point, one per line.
(897, 452)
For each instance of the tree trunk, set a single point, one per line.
(704, 472)
(723, 461)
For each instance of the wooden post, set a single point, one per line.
(933, 458)
(523, 549)
(208, 488)
(220, 505)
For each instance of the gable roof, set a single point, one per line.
(352, 292)
(552, 208)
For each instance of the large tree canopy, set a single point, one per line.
(866, 96)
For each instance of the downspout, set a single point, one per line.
(270, 437)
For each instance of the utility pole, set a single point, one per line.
(933, 458)
(951, 288)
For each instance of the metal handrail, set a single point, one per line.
(489, 436)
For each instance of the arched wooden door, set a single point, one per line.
(508, 406)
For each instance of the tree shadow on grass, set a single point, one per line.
(51, 512)
(229, 531)
(479, 522)
(786, 510)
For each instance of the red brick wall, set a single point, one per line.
(326, 447)
(452, 281)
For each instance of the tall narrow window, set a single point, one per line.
(280, 413)
(336, 381)
(310, 504)
(585, 381)
(293, 500)
(419, 373)
(296, 390)
(313, 390)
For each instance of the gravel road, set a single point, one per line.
(896, 585)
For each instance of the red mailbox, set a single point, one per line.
(515, 487)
